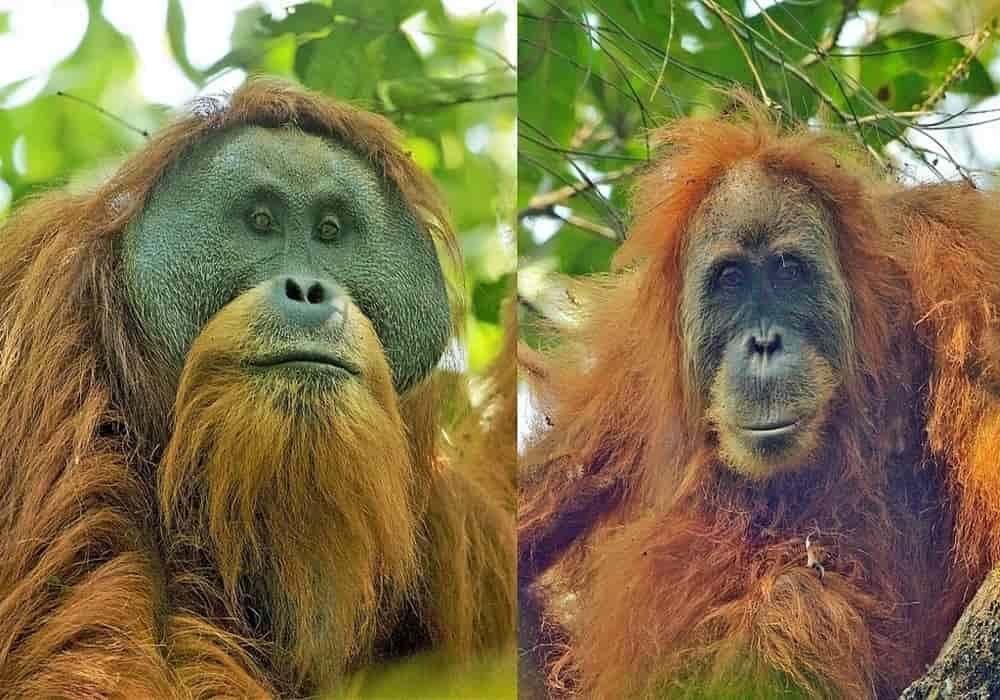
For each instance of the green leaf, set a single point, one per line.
(532, 7)
(237, 58)
(415, 93)
(404, 9)
(487, 298)
(579, 252)
(904, 92)
(923, 54)
(248, 27)
(883, 7)
(357, 9)
(339, 64)
(637, 9)
(977, 82)
(808, 23)
(105, 56)
(424, 152)
(175, 35)
(301, 19)
(398, 52)
(547, 78)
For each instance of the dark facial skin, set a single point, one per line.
(258, 204)
(766, 315)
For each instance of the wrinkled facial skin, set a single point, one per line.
(766, 317)
(255, 204)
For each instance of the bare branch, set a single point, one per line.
(543, 203)
(726, 20)
(430, 106)
(105, 112)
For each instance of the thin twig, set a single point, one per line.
(587, 225)
(105, 112)
(580, 223)
(818, 51)
(822, 50)
(795, 70)
(890, 116)
(743, 49)
(540, 204)
(444, 104)
(666, 55)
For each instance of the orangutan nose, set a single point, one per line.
(307, 302)
(765, 342)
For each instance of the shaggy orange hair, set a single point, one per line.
(107, 586)
(689, 579)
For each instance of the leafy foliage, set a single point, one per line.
(595, 76)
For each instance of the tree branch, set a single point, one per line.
(768, 102)
(542, 204)
(968, 664)
(430, 106)
(106, 113)
(823, 49)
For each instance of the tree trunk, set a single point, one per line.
(968, 666)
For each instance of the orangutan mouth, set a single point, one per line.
(308, 359)
(773, 429)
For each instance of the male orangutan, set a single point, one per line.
(222, 472)
(774, 466)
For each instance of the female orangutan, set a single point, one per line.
(770, 431)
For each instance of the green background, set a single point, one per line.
(596, 76)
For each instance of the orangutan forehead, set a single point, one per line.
(751, 209)
(255, 155)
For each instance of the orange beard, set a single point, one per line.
(292, 489)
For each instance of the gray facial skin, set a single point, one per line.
(254, 203)
(767, 317)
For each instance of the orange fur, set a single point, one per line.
(130, 522)
(682, 570)
(268, 478)
(949, 244)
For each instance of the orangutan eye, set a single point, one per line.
(788, 270)
(731, 277)
(328, 228)
(261, 220)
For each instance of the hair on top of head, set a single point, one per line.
(692, 154)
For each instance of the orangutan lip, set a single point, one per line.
(307, 357)
(768, 429)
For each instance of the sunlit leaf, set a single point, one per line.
(301, 19)
(487, 298)
(338, 64)
(547, 76)
(175, 35)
